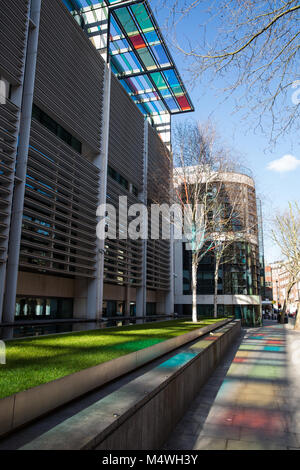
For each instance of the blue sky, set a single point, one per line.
(274, 185)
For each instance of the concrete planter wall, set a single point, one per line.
(142, 413)
(23, 407)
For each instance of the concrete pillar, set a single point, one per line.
(21, 167)
(95, 286)
(141, 292)
(169, 298)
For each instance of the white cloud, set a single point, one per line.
(283, 164)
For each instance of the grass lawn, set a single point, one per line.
(34, 361)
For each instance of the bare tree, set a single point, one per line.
(198, 162)
(286, 234)
(254, 50)
(230, 226)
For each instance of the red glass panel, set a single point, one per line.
(183, 103)
(137, 41)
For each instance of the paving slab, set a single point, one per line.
(257, 403)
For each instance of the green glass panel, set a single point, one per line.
(146, 57)
(126, 20)
(159, 80)
(142, 17)
(178, 90)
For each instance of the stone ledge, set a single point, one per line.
(142, 413)
(23, 407)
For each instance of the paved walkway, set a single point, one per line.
(252, 401)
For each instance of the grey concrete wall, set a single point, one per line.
(149, 427)
(142, 413)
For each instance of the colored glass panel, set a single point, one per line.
(126, 21)
(146, 58)
(171, 77)
(166, 93)
(137, 41)
(172, 105)
(159, 80)
(151, 37)
(183, 103)
(114, 27)
(119, 44)
(142, 17)
(160, 55)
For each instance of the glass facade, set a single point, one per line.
(240, 276)
(39, 308)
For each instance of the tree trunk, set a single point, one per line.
(282, 315)
(194, 291)
(297, 319)
(216, 291)
(285, 304)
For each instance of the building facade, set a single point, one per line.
(280, 280)
(239, 281)
(88, 90)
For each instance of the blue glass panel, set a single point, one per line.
(125, 85)
(160, 54)
(114, 28)
(166, 93)
(171, 104)
(135, 61)
(145, 83)
(151, 36)
(171, 77)
(142, 109)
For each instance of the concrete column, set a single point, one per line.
(95, 286)
(141, 292)
(169, 298)
(21, 167)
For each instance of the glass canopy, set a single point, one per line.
(137, 52)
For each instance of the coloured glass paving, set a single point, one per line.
(137, 52)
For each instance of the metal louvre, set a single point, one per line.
(123, 258)
(13, 28)
(13, 21)
(126, 135)
(159, 174)
(61, 197)
(8, 121)
(69, 91)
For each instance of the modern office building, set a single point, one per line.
(87, 94)
(269, 283)
(239, 282)
(282, 287)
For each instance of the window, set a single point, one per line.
(56, 128)
(122, 181)
(33, 308)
